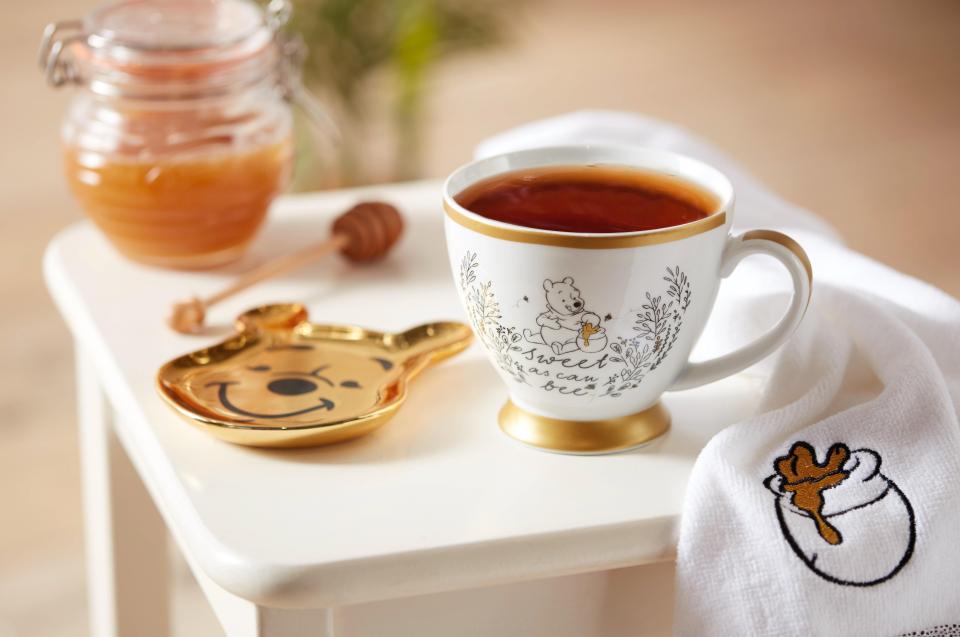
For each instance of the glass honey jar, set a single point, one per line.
(181, 134)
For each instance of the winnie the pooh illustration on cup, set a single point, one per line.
(566, 325)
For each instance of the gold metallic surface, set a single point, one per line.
(592, 242)
(787, 242)
(584, 437)
(281, 381)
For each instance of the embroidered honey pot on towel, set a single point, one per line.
(846, 521)
(806, 480)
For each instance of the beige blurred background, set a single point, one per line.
(850, 109)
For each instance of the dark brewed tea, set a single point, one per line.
(588, 199)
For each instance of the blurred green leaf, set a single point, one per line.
(350, 40)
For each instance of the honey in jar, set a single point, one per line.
(181, 136)
(186, 212)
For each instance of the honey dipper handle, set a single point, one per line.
(280, 265)
(364, 233)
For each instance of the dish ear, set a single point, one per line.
(280, 316)
(568, 280)
(434, 340)
(547, 284)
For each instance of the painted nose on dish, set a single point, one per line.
(291, 386)
(577, 303)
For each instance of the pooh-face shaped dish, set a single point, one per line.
(282, 381)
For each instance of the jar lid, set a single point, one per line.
(153, 39)
(176, 49)
(174, 25)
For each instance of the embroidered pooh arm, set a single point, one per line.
(806, 480)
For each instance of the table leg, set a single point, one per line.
(127, 569)
(275, 622)
(240, 617)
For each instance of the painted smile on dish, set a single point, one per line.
(289, 387)
(287, 383)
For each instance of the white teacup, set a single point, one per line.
(625, 309)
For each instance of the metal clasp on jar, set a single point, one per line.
(59, 69)
(292, 54)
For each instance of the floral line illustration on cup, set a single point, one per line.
(567, 327)
(836, 513)
(659, 326)
(483, 310)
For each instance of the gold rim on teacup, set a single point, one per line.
(718, 185)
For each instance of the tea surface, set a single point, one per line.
(598, 199)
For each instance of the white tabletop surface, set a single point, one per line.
(439, 499)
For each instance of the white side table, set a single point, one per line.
(438, 524)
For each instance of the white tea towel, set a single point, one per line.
(836, 509)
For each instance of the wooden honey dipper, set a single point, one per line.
(364, 233)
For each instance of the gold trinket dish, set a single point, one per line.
(282, 381)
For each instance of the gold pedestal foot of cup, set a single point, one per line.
(584, 436)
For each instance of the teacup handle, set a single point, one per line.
(792, 256)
